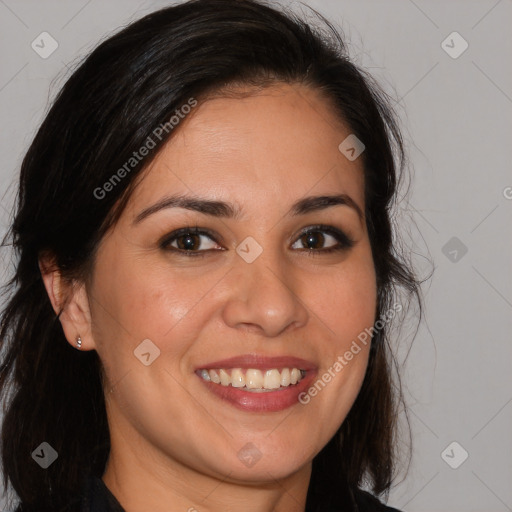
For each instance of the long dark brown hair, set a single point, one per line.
(131, 83)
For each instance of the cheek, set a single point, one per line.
(345, 303)
(141, 299)
(132, 302)
(345, 299)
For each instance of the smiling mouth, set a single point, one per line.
(253, 379)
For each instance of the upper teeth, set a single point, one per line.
(253, 378)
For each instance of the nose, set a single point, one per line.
(265, 297)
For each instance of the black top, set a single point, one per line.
(96, 497)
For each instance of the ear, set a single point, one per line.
(70, 301)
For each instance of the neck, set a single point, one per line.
(152, 483)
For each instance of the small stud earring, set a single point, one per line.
(79, 342)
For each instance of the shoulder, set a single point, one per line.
(367, 502)
(94, 496)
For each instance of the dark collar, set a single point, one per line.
(96, 497)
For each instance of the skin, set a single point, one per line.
(173, 441)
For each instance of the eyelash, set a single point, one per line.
(344, 242)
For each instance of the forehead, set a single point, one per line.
(279, 143)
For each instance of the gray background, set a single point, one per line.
(456, 115)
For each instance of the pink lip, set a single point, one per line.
(268, 401)
(260, 363)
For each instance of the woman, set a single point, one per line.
(206, 275)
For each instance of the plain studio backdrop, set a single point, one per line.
(447, 66)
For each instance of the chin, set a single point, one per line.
(267, 472)
(253, 465)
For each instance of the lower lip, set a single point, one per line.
(265, 401)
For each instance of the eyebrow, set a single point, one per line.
(227, 210)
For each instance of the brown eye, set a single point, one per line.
(190, 241)
(323, 240)
(313, 240)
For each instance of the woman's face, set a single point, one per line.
(266, 282)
